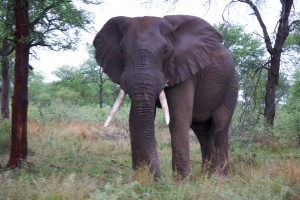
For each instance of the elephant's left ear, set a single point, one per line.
(194, 41)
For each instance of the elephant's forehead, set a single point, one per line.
(146, 23)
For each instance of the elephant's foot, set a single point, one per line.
(222, 171)
(210, 168)
(144, 174)
(152, 168)
(182, 177)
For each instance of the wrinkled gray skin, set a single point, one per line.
(142, 54)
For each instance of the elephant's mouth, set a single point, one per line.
(120, 98)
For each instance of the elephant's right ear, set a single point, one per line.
(107, 46)
(195, 45)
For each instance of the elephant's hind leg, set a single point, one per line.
(220, 127)
(213, 138)
(204, 134)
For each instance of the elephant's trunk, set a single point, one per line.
(143, 144)
(143, 81)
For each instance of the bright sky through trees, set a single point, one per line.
(49, 60)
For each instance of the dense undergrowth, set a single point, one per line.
(71, 156)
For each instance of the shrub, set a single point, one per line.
(4, 136)
(67, 111)
(287, 125)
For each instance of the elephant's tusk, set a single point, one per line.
(164, 105)
(115, 107)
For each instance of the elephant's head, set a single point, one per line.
(146, 54)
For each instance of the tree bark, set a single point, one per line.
(20, 99)
(101, 96)
(274, 70)
(272, 81)
(101, 89)
(5, 79)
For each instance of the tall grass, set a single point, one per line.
(72, 156)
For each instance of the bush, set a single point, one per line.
(4, 136)
(287, 125)
(245, 120)
(66, 111)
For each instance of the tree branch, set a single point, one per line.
(268, 42)
(294, 24)
(95, 2)
(283, 27)
(263, 66)
(41, 16)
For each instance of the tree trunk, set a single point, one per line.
(20, 100)
(273, 76)
(273, 73)
(101, 89)
(298, 131)
(5, 79)
(101, 96)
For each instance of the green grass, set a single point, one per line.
(82, 160)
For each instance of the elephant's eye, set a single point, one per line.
(121, 47)
(166, 51)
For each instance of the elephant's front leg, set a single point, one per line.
(180, 101)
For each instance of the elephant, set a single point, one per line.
(176, 62)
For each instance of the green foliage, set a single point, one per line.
(75, 96)
(62, 110)
(287, 125)
(247, 50)
(293, 100)
(54, 24)
(4, 136)
(70, 87)
(68, 111)
(57, 23)
(293, 40)
(88, 81)
(288, 117)
(6, 20)
(68, 95)
(39, 92)
(93, 73)
(75, 80)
